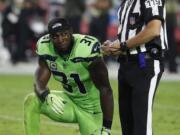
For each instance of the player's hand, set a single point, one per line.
(111, 48)
(105, 131)
(105, 47)
(56, 103)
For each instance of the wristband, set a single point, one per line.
(43, 95)
(107, 124)
(123, 46)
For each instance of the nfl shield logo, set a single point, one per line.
(53, 66)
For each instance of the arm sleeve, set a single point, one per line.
(152, 9)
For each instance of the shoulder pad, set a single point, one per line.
(44, 45)
(86, 46)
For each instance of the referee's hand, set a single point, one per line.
(111, 48)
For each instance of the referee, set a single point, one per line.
(140, 48)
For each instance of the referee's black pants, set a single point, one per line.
(137, 87)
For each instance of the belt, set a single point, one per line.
(132, 57)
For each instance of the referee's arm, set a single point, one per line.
(151, 31)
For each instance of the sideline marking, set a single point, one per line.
(11, 118)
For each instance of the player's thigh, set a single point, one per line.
(89, 123)
(68, 114)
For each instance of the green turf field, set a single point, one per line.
(13, 89)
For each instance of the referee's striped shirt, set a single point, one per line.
(133, 17)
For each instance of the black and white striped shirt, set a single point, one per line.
(133, 17)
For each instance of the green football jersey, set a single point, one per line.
(73, 72)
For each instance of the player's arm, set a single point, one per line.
(42, 76)
(99, 75)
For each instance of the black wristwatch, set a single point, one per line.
(123, 47)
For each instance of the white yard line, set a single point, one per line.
(14, 118)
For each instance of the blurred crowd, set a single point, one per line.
(22, 22)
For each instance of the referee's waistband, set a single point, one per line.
(133, 57)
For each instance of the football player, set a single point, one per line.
(74, 60)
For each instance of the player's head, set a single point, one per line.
(60, 32)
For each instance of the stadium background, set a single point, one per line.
(18, 60)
